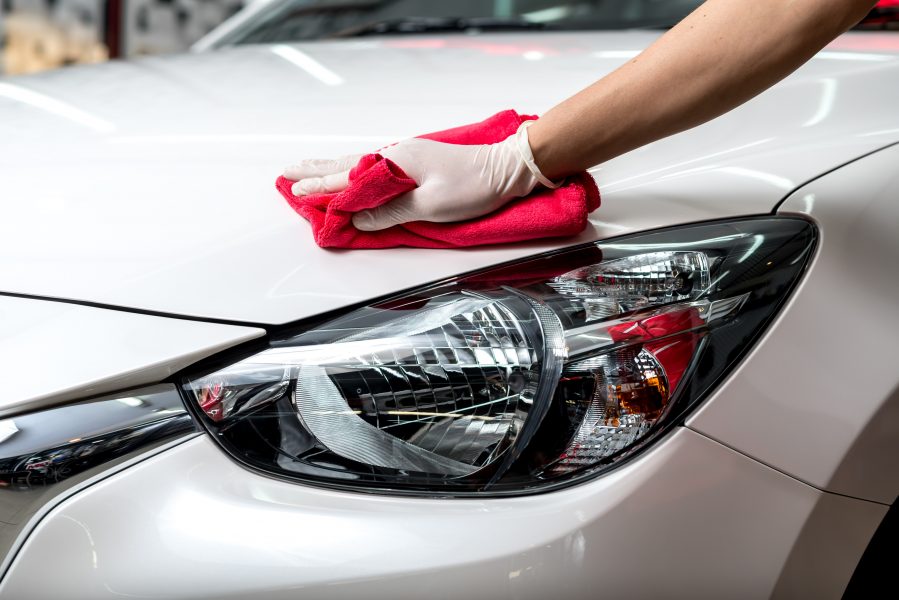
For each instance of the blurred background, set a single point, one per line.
(37, 35)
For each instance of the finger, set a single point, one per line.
(404, 209)
(321, 185)
(320, 167)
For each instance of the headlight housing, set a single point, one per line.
(518, 378)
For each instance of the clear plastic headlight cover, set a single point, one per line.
(519, 378)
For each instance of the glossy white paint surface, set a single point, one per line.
(690, 519)
(52, 352)
(150, 184)
(818, 566)
(819, 397)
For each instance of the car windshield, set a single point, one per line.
(295, 20)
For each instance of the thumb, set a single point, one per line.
(400, 210)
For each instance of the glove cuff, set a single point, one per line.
(527, 155)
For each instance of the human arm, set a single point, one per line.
(718, 57)
(723, 54)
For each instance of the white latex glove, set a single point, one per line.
(455, 182)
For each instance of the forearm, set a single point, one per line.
(723, 54)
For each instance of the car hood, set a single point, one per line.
(150, 184)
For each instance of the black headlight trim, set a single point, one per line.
(699, 388)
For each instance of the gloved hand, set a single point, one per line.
(455, 182)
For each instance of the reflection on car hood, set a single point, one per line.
(149, 184)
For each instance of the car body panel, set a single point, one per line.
(152, 182)
(817, 566)
(818, 398)
(53, 352)
(149, 186)
(199, 526)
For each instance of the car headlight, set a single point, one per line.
(518, 378)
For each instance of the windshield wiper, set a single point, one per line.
(412, 25)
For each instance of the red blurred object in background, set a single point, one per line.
(885, 15)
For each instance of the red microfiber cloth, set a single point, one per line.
(376, 180)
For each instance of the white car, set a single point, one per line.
(696, 397)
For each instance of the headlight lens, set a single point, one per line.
(518, 378)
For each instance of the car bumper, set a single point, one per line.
(688, 518)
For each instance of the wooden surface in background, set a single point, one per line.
(41, 35)
(34, 44)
